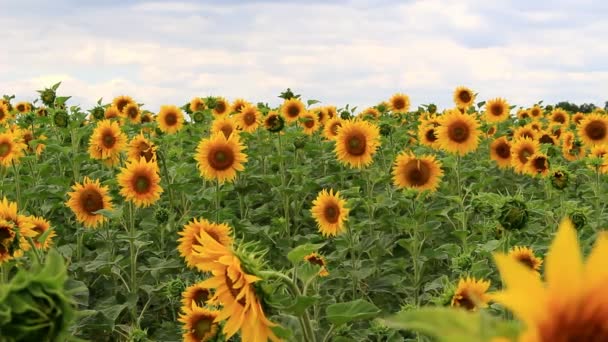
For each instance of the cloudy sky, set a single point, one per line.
(357, 52)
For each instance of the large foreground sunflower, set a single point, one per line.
(418, 173)
(458, 133)
(86, 199)
(219, 158)
(593, 129)
(572, 305)
(140, 183)
(463, 97)
(330, 212)
(356, 143)
(170, 119)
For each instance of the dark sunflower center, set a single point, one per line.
(171, 119)
(121, 104)
(202, 327)
(466, 302)
(5, 234)
(540, 164)
(3, 250)
(220, 107)
(458, 132)
(331, 213)
(2, 114)
(200, 296)
(239, 107)
(310, 123)
(313, 259)
(525, 153)
(568, 326)
(596, 130)
(535, 112)
(546, 139)
(503, 150)
(133, 113)
(293, 111)
(398, 103)
(142, 184)
(91, 201)
(146, 118)
(221, 158)
(21, 108)
(108, 139)
(227, 130)
(527, 261)
(356, 144)
(527, 134)
(524, 115)
(5, 149)
(249, 119)
(496, 109)
(559, 118)
(430, 135)
(417, 173)
(464, 96)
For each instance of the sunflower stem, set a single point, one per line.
(166, 176)
(463, 218)
(133, 259)
(79, 243)
(598, 213)
(283, 187)
(217, 200)
(351, 242)
(75, 164)
(17, 184)
(5, 270)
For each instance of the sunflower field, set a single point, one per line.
(223, 220)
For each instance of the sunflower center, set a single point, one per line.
(527, 134)
(133, 113)
(5, 234)
(527, 261)
(588, 325)
(331, 213)
(464, 96)
(356, 144)
(559, 118)
(171, 119)
(2, 114)
(293, 111)
(227, 130)
(458, 132)
(398, 103)
(200, 296)
(239, 107)
(5, 149)
(108, 139)
(21, 108)
(202, 327)
(496, 109)
(503, 151)
(249, 119)
(535, 112)
(596, 130)
(3, 250)
(313, 259)
(540, 164)
(546, 139)
(142, 184)
(91, 201)
(221, 158)
(121, 104)
(466, 302)
(220, 107)
(430, 135)
(310, 123)
(146, 118)
(525, 153)
(417, 173)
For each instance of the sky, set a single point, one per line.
(338, 52)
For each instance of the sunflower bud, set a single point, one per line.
(432, 108)
(98, 113)
(299, 142)
(274, 123)
(138, 335)
(513, 214)
(173, 288)
(198, 116)
(48, 96)
(211, 102)
(481, 206)
(578, 219)
(462, 263)
(386, 129)
(61, 118)
(559, 179)
(382, 107)
(161, 214)
(345, 115)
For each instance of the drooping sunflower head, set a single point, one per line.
(120, 102)
(190, 237)
(197, 105)
(330, 130)
(132, 113)
(225, 125)
(23, 107)
(170, 119)
(500, 152)
(370, 113)
(107, 141)
(559, 179)
(497, 110)
(239, 104)
(292, 109)
(399, 103)
(147, 117)
(221, 108)
(356, 143)
(196, 295)
(140, 147)
(112, 112)
(309, 123)
(521, 151)
(559, 116)
(458, 133)
(471, 294)
(249, 118)
(140, 183)
(330, 212)
(199, 324)
(418, 173)
(463, 97)
(316, 259)
(219, 158)
(593, 129)
(41, 226)
(525, 256)
(545, 137)
(274, 122)
(11, 148)
(86, 199)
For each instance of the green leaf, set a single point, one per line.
(342, 313)
(297, 254)
(311, 102)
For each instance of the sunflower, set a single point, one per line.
(112, 112)
(7, 235)
(239, 104)
(491, 131)
(5, 114)
(536, 112)
(525, 256)
(147, 117)
(332, 112)
(318, 260)
(199, 324)
(248, 119)
(593, 129)
(370, 113)
(521, 151)
(139, 182)
(120, 102)
(220, 232)
(578, 118)
(321, 114)
(220, 158)
(356, 143)
(330, 212)
(170, 119)
(500, 152)
(222, 107)
(195, 295)
(523, 114)
(292, 109)
(535, 125)
(545, 137)
(223, 124)
(330, 130)
(140, 147)
(600, 151)
(463, 97)
(556, 131)
(41, 226)
(423, 173)
(537, 164)
(86, 199)
(524, 132)
(274, 122)
(559, 116)
(427, 135)
(107, 141)
(571, 305)
(23, 107)
(197, 105)
(399, 103)
(471, 294)
(497, 110)
(574, 152)
(309, 123)
(11, 148)
(458, 133)
(132, 113)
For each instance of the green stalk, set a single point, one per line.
(351, 247)
(75, 165)
(217, 200)
(284, 185)
(597, 199)
(166, 176)
(133, 259)
(17, 185)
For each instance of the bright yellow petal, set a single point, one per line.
(564, 263)
(596, 272)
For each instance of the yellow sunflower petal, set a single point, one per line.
(564, 263)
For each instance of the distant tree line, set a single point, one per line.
(583, 108)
